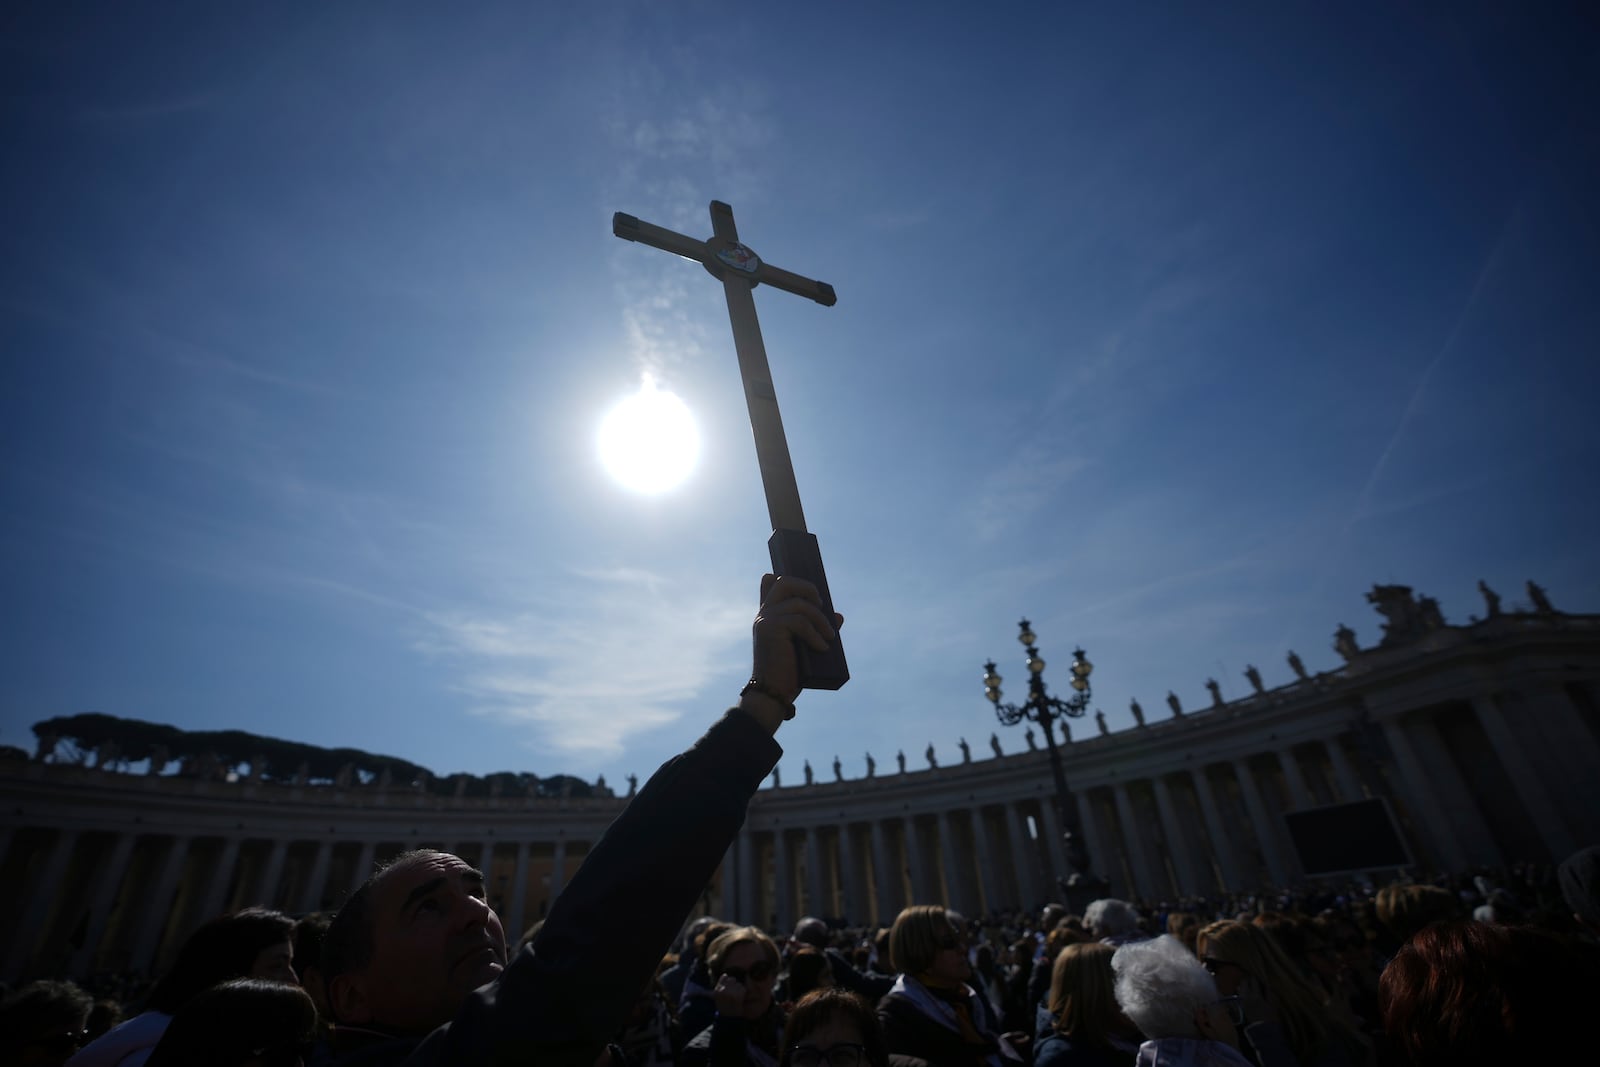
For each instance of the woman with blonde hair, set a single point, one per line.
(1246, 962)
(1088, 1028)
(932, 1014)
(743, 967)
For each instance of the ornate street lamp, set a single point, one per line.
(1046, 710)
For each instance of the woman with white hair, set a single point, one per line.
(1174, 1003)
(1115, 922)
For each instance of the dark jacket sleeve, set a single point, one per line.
(874, 987)
(565, 995)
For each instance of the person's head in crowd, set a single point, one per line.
(834, 1028)
(105, 1014)
(808, 970)
(43, 1023)
(1579, 875)
(410, 944)
(309, 932)
(880, 946)
(1162, 988)
(810, 931)
(1345, 940)
(247, 1022)
(1245, 960)
(926, 945)
(701, 944)
(1185, 926)
(1081, 996)
(1286, 930)
(745, 956)
(1465, 994)
(1050, 915)
(1110, 919)
(1405, 909)
(1022, 953)
(250, 943)
(692, 934)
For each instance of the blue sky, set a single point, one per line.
(1172, 330)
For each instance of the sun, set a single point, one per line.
(649, 442)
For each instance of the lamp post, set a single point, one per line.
(1046, 710)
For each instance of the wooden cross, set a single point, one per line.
(794, 551)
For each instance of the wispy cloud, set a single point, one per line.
(148, 110)
(1027, 482)
(585, 682)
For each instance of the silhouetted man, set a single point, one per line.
(415, 962)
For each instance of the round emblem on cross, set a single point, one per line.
(739, 257)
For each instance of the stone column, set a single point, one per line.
(1194, 880)
(1217, 831)
(817, 902)
(988, 877)
(1299, 795)
(1428, 814)
(1343, 773)
(1552, 703)
(266, 894)
(311, 898)
(920, 891)
(1024, 858)
(158, 906)
(1100, 853)
(1266, 830)
(369, 850)
(849, 891)
(36, 912)
(558, 869)
(1453, 793)
(1546, 815)
(785, 879)
(955, 886)
(216, 902)
(517, 907)
(107, 881)
(1149, 885)
(881, 875)
(747, 879)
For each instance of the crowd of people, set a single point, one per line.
(415, 967)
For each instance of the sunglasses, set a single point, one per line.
(1213, 965)
(841, 1055)
(756, 972)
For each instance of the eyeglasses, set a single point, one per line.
(841, 1055)
(1234, 1006)
(756, 972)
(1213, 965)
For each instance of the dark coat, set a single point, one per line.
(725, 1043)
(908, 1032)
(564, 996)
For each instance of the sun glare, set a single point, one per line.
(649, 442)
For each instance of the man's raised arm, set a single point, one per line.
(563, 997)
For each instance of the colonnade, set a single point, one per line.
(124, 901)
(1481, 761)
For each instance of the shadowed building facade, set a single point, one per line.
(1484, 741)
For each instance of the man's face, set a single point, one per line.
(435, 939)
